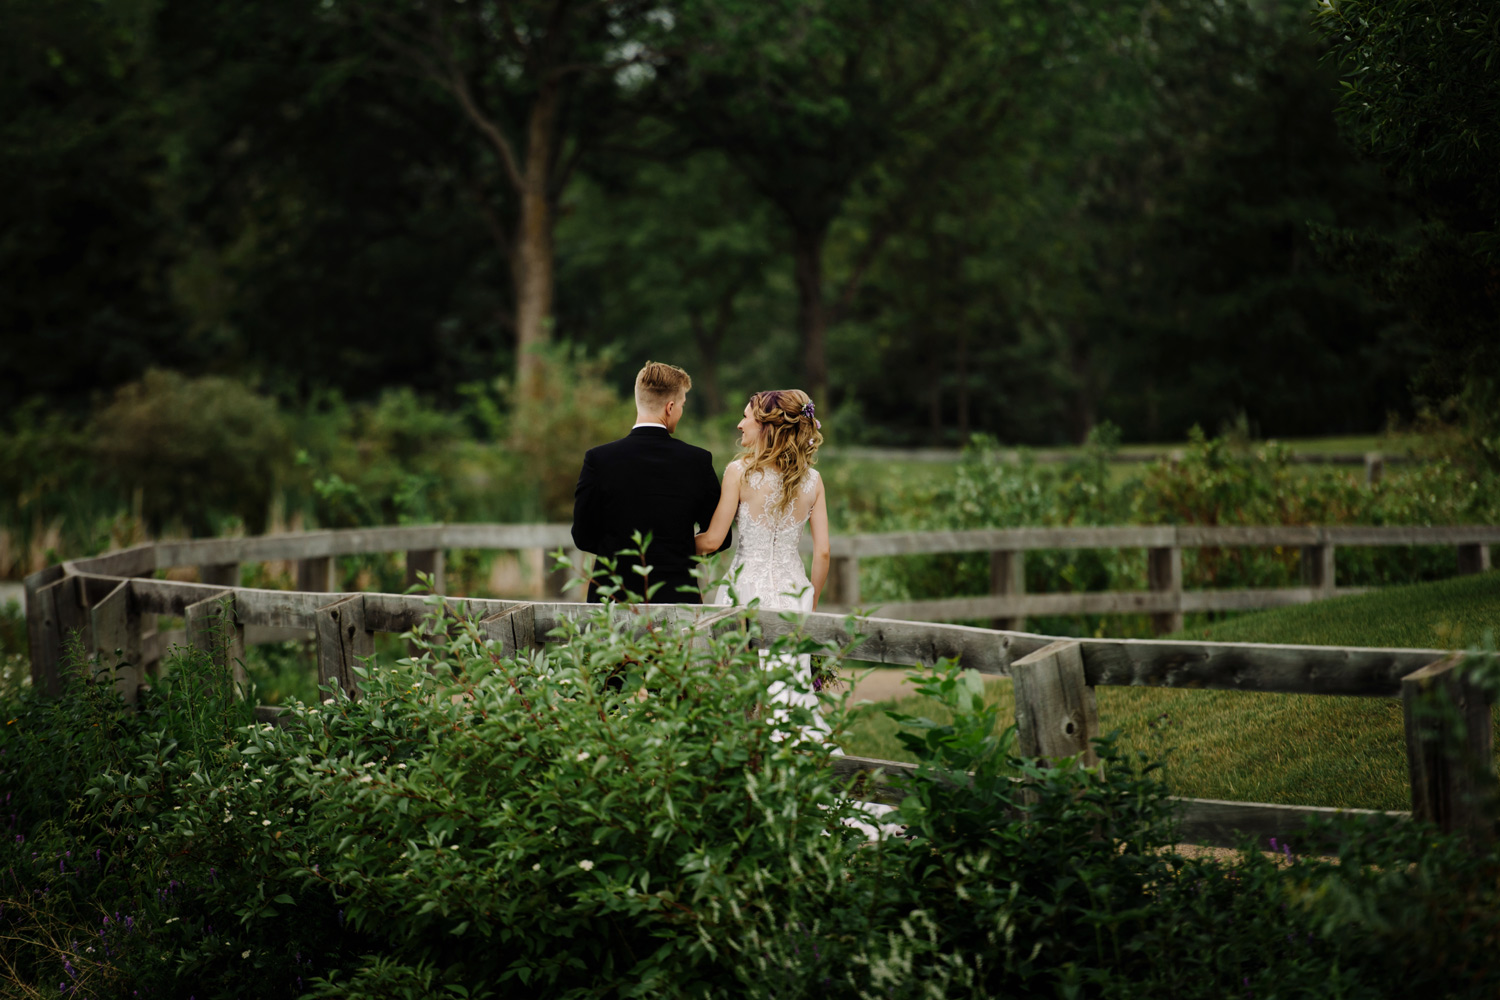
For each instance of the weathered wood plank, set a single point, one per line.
(214, 629)
(1473, 558)
(842, 588)
(514, 628)
(1318, 563)
(429, 563)
(259, 635)
(343, 640)
(71, 605)
(507, 536)
(220, 574)
(400, 613)
(1450, 749)
(1248, 536)
(1022, 605)
(1228, 824)
(317, 574)
(872, 777)
(1057, 715)
(883, 640)
(1164, 576)
(116, 626)
(134, 561)
(990, 539)
(41, 629)
(156, 645)
(1008, 579)
(1251, 666)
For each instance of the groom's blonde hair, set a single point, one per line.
(657, 384)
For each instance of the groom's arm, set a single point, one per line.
(585, 505)
(708, 501)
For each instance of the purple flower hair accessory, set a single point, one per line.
(807, 411)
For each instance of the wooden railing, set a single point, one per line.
(1166, 600)
(112, 601)
(1374, 462)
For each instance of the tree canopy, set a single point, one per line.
(939, 218)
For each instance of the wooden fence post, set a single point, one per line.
(342, 641)
(1449, 748)
(429, 561)
(1164, 575)
(842, 588)
(317, 575)
(1318, 568)
(1473, 559)
(116, 622)
(1008, 579)
(41, 628)
(214, 628)
(1374, 467)
(514, 628)
(555, 579)
(220, 574)
(1056, 712)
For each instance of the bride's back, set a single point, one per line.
(761, 492)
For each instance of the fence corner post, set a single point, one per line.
(213, 627)
(1057, 714)
(1449, 748)
(343, 640)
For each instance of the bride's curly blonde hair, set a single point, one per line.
(788, 442)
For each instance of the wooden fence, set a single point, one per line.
(112, 602)
(1374, 462)
(1165, 600)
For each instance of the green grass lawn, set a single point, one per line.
(1292, 749)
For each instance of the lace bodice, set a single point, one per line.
(766, 562)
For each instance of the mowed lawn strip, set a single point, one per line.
(1249, 747)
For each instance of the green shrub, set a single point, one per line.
(194, 450)
(616, 816)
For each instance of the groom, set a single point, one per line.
(648, 482)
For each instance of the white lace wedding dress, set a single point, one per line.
(768, 567)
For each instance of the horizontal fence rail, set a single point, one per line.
(112, 602)
(1374, 462)
(1007, 605)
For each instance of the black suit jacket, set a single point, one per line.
(647, 481)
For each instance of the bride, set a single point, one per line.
(772, 490)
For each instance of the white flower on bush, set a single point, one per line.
(582, 756)
(586, 865)
(265, 822)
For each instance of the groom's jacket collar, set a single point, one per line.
(649, 429)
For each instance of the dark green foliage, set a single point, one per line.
(192, 450)
(1218, 481)
(481, 825)
(1422, 101)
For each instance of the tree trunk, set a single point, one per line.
(963, 387)
(707, 381)
(532, 261)
(812, 315)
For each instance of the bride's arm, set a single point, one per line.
(818, 522)
(709, 540)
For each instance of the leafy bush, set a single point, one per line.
(1216, 481)
(621, 815)
(193, 449)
